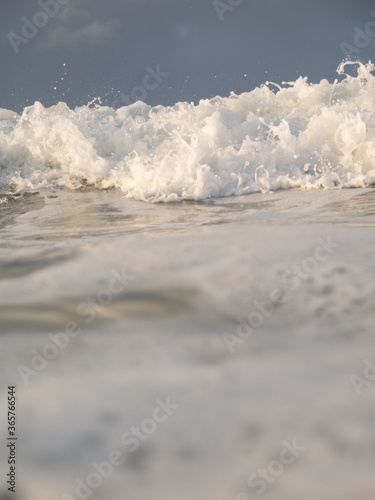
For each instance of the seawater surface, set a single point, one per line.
(248, 303)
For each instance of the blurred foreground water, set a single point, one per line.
(248, 316)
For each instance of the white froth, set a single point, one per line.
(301, 135)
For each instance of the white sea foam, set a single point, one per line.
(300, 135)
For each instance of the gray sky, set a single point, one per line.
(106, 46)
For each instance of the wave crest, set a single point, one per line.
(297, 135)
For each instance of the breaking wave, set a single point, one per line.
(299, 135)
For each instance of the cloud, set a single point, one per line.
(92, 34)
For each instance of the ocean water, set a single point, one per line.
(300, 136)
(219, 255)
